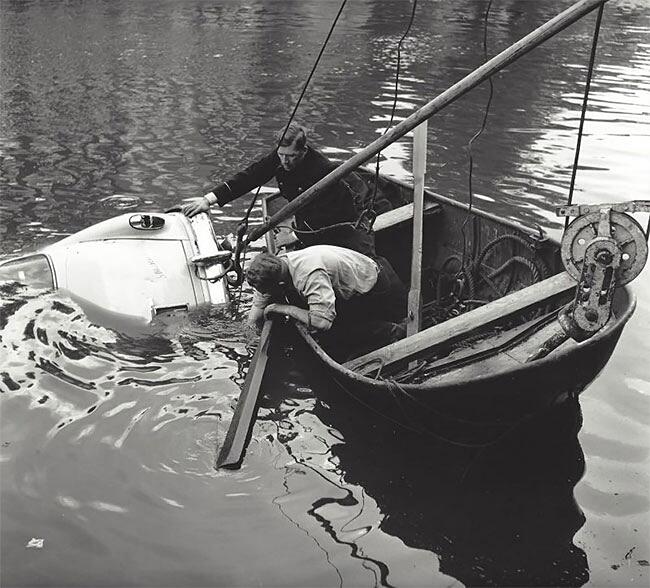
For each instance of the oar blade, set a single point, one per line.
(232, 451)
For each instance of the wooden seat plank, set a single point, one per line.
(402, 214)
(383, 221)
(462, 325)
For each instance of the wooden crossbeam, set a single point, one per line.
(402, 214)
(460, 326)
(386, 220)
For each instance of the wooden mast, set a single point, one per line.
(414, 315)
(479, 75)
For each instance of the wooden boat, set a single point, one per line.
(470, 368)
(497, 329)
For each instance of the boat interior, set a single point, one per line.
(476, 269)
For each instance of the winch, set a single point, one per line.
(603, 248)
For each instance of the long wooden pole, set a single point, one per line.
(231, 453)
(414, 316)
(460, 88)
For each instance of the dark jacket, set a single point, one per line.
(334, 205)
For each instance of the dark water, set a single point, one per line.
(108, 438)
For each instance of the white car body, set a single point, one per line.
(136, 265)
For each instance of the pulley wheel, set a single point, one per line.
(626, 232)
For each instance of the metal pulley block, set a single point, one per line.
(605, 221)
(604, 248)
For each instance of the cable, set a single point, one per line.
(369, 210)
(477, 134)
(590, 71)
(313, 69)
(242, 227)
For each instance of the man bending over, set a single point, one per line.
(354, 303)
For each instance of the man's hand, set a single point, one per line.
(317, 322)
(251, 333)
(195, 207)
(274, 309)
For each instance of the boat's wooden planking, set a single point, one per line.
(507, 359)
(462, 325)
(455, 231)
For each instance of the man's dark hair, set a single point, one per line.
(264, 272)
(294, 132)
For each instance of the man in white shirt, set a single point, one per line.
(357, 301)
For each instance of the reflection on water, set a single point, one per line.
(125, 116)
(123, 431)
(500, 514)
(74, 371)
(98, 425)
(109, 434)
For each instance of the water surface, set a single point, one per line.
(108, 437)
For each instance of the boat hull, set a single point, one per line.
(493, 388)
(462, 406)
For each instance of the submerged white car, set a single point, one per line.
(136, 265)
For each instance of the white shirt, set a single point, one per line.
(323, 273)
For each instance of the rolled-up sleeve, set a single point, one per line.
(260, 301)
(319, 294)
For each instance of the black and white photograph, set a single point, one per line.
(324, 293)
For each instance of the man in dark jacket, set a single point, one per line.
(296, 166)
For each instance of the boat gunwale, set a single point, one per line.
(537, 230)
(385, 385)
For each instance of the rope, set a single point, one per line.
(486, 250)
(477, 134)
(468, 277)
(506, 237)
(369, 211)
(590, 71)
(242, 228)
(313, 69)
(517, 259)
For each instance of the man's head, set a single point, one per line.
(292, 146)
(266, 273)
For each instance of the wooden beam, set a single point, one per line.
(462, 325)
(270, 238)
(414, 313)
(394, 217)
(239, 432)
(386, 220)
(460, 88)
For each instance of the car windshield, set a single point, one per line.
(32, 271)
